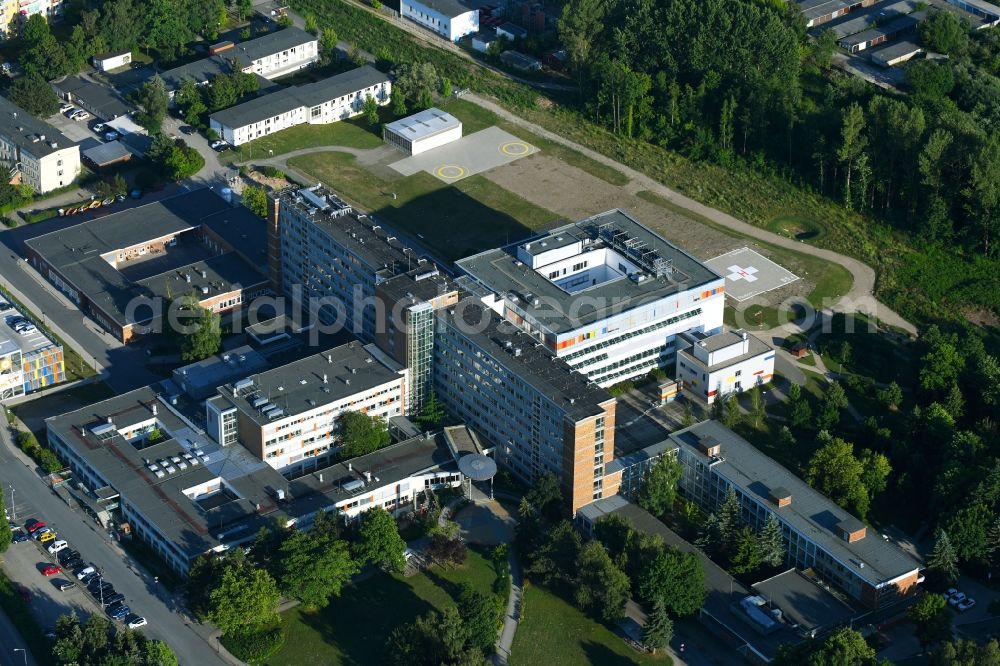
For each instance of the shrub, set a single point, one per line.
(272, 172)
(7, 222)
(40, 215)
(255, 648)
(43, 456)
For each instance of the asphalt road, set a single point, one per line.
(166, 621)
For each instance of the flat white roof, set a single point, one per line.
(424, 124)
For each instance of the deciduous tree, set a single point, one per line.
(659, 488)
(933, 619)
(244, 600)
(379, 542)
(314, 568)
(361, 434)
(602, 588)
(835, 472)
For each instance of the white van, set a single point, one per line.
(56, 546)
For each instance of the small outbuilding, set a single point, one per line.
(422, 131)
(518, 60)
(107, 155)
(511, 31)
(482, 40)
(110, 61)
(895, 54)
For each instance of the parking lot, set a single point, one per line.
(76, 130)
(23, 563)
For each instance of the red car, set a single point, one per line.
(34, 526)
(51, 570)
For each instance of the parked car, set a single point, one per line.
(89, 578)
(219, 145)
(134, 621)
(966, 604)
(81, 115)
(4, 307)
(73, 565)
(112, 136)
(64, 585)
(38, 534)
(31, 524)
(188, 129)
(57, 545)
(113, 599)
(66, 106)
(956, 598)
(71, 111)
(51, 569)
(119, 612)
(21, 536)
(99, 127)
(47, 537)
(84, 572)
(67, 555)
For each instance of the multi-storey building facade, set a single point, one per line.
(606, 294)
(29, 360)
(328, 258)
(537, 413)
(709, 367)
(33, 152)
(819, 535)
(449, 18)
(337, 98)
(289, 416)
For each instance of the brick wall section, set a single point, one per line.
(579, 455)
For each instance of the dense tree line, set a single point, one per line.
(740, 82)
(98, 642)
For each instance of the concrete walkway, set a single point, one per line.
(859, 299)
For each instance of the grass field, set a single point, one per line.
(554, 633)
(453, 220)
(349, 133)
(831, 280)
(353, 630)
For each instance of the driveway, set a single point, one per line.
(167, 619)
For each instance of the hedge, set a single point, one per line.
(255, 648)
(43, 456)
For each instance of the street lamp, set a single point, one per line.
(13, 507)
(24, 653)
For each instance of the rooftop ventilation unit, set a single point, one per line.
(243, 384)
(267, 406)
(103, 430)
(316, 200)
(354, 486)
(257, 402)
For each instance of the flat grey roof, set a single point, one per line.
(499, 271)
(373, 243)
(527, 359)
(810, 513)
(805, 603)
(390, 465)
(418, 285)
(11, 340)
(190, 527)
(423, 124)
(813, 9)
(449, 8)
(862, 19)
(24, 130)
(98, 99)
(245, 231)
(299, 387)
(756, 348)
(107, 153)
(200, 379)
(76, 252)
(309, 95)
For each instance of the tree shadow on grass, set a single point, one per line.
(358, 623)
(601, 655)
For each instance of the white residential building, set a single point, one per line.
(111, 61)
(449, 18)
(289, 416)
(728, 362)
(35, 152)
(326, 101)
(607, 295)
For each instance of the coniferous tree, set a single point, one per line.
(659, 628)
(730, 520)
(772, 544)
(943, 560)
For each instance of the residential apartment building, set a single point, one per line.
(289, 416)
(607, 295)
(711, 366)
(34, 152)
(534, 410)
(29, 360)
(125, 269)
(14, 13)
(269, 56)
(328, 258)
(336, 98)
(819, 535)
(449, 18)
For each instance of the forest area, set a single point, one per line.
(740, 84)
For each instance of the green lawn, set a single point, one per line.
(454, 220)
(831, 280)
(353, 630)
(349, 133)
(552, 633)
